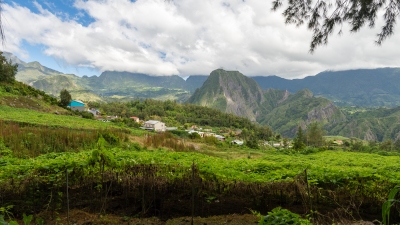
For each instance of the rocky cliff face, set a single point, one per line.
(328, 113)
(231, 92)
(240, 100)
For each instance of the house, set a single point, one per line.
(134, 118)
(95, 112)
(154, 125)
(220, 137)
(77, 105)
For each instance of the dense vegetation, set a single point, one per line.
(106, 170)
(184, 115)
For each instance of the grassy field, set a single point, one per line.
(34, 117)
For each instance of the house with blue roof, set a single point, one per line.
(77, 105)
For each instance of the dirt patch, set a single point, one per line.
(233, 219)
(79, 217)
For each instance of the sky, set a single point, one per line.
(181, 37)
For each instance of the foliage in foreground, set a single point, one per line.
(283, 216)
(322, 17)
(387, 206)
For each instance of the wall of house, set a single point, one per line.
(159, 127)
(77, 108)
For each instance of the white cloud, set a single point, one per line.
(190, 37)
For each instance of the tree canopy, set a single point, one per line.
(322, 16)
(7, 70)
(65, 98)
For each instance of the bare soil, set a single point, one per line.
(80, 217)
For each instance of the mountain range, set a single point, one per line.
(232, 92)
(362, 87)
(284, 112)
(109, 86)
(277, 102)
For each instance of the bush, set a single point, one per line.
(283, 216)
(110, 138)
(180, 133)
(87, 115)
(194, 135)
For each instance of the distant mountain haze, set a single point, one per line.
(362, 87)
(109, 86)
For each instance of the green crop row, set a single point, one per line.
(323, 168)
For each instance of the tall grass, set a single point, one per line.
(27, 140)
(387, 206)
(167, 140)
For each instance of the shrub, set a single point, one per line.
(110, 138)
(283, 216)
(194, 135)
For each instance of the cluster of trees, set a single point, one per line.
(373, 146)
(314, 136)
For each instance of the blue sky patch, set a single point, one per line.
(63, 9)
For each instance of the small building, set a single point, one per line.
(220, 137)
(95, 112)
(134, 118)
(154, 125)
(237, 142)
(77, 105)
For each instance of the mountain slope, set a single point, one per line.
(110, 85)
(363, 87)
(231, 92)
(373, 125)
(301, 109)
(30, 72)
(55, 83)
(195, 81)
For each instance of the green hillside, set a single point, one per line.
(232, 92)
(372, 125)
(55, 83)
(301, 109)
(109, 86)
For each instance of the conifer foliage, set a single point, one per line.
(7, 70)
(323, 16)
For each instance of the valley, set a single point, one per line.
(61, 167)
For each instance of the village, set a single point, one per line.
(159, 126)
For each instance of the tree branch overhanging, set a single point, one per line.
(323, 16)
